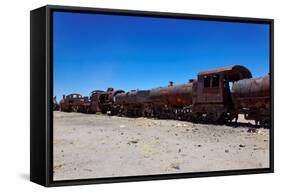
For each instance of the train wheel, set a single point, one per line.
(213, 117)
(74, 109)
(265, 123)
(197, 117)
(229, 117)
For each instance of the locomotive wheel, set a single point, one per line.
(213, 117)
(265, 123)
(229, 117)
(74, 109)
(87, 110)
(197, 117)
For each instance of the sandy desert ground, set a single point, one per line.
(95, 146)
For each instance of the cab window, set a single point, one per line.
(207, 81)
(215, 81)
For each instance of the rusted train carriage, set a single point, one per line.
(212, 99)
(102, 101)
(95, 101)
(216, 95)
(74, 103)
(252, 98)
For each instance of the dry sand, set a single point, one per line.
(95, 146)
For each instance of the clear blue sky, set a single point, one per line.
(94, 51)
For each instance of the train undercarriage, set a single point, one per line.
(175, 113)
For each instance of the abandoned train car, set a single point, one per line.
(74, 103)
(216, 95)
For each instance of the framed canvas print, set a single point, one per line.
(123, 95)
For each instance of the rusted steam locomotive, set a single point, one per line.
(215, 96)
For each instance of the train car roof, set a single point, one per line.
(234, 73)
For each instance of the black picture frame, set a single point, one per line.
(41, 95)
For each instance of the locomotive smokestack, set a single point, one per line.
(171, 83)
(63, 96)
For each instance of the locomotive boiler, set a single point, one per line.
(162, 102)
(172, 102)
(131, 104)
(173, 95)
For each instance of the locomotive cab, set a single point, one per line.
(212, 93)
